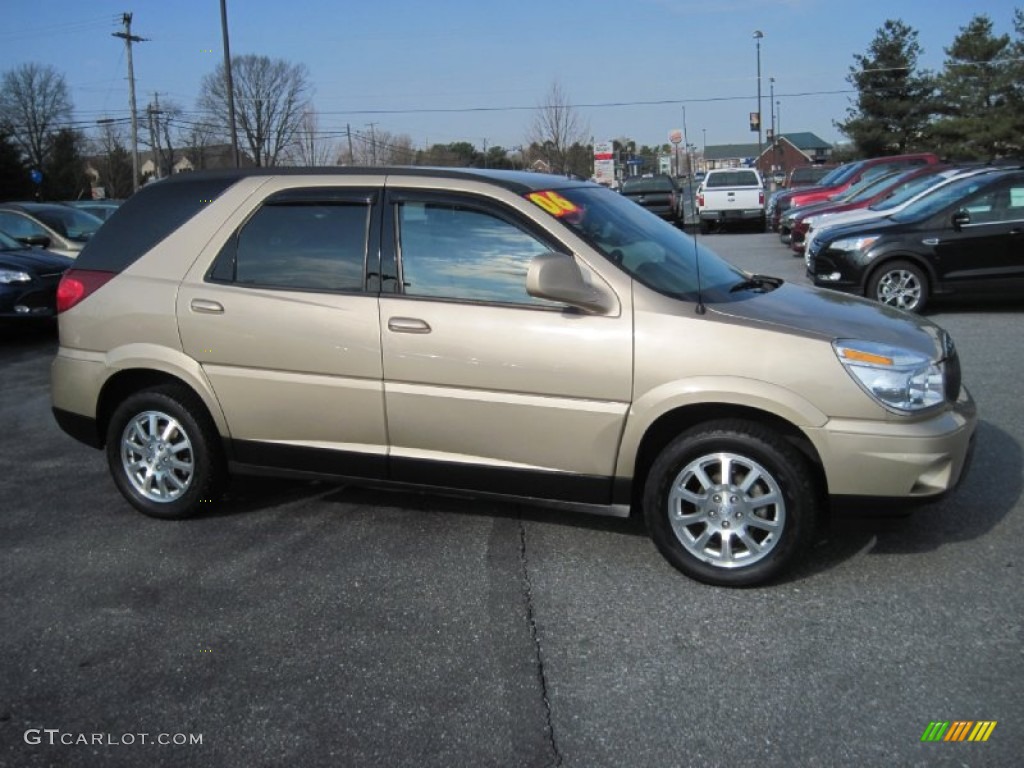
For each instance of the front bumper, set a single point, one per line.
(898, 459)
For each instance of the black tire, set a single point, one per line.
(175, 448)
(705, 227)
(778, 531)
(900, 284)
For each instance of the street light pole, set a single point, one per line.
(758, 34)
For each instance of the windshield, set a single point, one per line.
(648, 249)
(877, 184)
(946, 195)
(841, 175)
(69, 222)
(8, 243)
(907, 190)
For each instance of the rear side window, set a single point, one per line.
(146, 218)
(309, 247)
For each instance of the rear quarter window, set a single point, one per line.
(146, 218)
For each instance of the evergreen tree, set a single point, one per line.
(64, 173)
(15, 183)
(975, 90)
(895, 101)
(1015, 77)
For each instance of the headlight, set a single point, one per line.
(895, 378)
(861, 243)
(9, 276)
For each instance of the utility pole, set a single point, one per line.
(129, 38)
(229, 84)
(373, 142)
(154, 135)
(348, 132)
(758, 34)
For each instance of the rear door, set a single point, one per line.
(284, 322)
(486, 387)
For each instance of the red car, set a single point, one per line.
(842, 179)
(868, 192)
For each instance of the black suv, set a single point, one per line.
(658, 194)
(967, 237)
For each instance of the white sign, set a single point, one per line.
(604, 162)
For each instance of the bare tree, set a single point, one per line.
(381, 148)
(113, 161)
(311, 147)
(199, 136)
(164, 138)
(557, 126)
(34, 102)
(271, 96)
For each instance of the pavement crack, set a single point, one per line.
(538, 651)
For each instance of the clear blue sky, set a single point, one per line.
(389, 61)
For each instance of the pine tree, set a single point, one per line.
(64, 173)
(895, 101)
(975, 90)
(15, 183)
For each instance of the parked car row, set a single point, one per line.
(905, 234)
(38, 243)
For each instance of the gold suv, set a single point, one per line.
(494, 333)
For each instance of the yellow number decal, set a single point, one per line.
(553, 203)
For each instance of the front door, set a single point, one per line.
(486, 387)
(988, 251)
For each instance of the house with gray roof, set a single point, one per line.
(788, 151)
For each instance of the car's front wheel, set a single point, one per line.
(164, 452)
(730, 503)
(900, 284)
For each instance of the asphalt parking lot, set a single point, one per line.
(311, 625)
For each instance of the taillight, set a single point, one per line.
(700, 199)
(760, 199)
(77, 285)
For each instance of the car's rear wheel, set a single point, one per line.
(900, 284)
(730, 503)
(164, 453)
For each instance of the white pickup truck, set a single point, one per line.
(730, 196)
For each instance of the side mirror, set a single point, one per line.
(557, 277)
(961, 219)
(41, 240)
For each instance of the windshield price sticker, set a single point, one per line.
(553, 203)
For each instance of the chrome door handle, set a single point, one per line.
(408, 325)
(207, 307)
(930, 241)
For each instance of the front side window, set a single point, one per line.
(997, 206)
(457, 252)
(307, 246)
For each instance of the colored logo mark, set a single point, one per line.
(959, 730)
